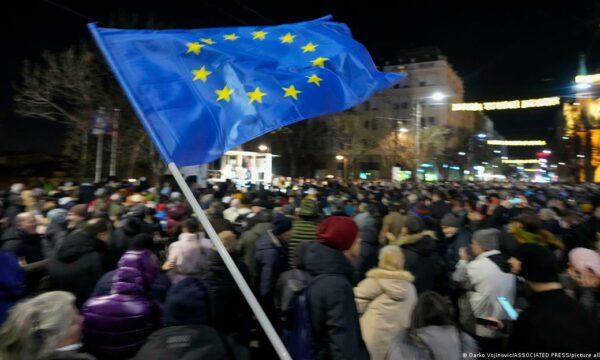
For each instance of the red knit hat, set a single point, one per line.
(338, 232)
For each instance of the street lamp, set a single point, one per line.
(437, 96)
(343, 159)
(263, 147)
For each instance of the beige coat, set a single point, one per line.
(385, 300)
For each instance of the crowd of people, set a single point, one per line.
(343, 270)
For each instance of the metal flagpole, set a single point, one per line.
(235, 272)
(114, 143)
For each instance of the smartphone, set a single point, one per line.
(508, 308)
(486, 322)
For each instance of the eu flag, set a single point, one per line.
(202, 92)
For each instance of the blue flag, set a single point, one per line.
(202, 92)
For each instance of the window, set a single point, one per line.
(397, 86)
(431, 120)
(367, 105)
(405, 105)
(374, 124)
(396, 106)
(422, 83)
(366, 124)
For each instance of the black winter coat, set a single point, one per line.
(554, 323)
(332, 308)
(190, 342)
(422, 260)
(229, 311)
(28, 246)
(78, 264)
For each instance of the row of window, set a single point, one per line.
(373, 123)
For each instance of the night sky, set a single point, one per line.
(503, 50)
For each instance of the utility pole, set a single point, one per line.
(417, 139)
(114, 143)
(99, 128)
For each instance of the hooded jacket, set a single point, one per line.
(423, 261)
(116, 325)
(78, 265)
(444, 342)
(271, 261)
(332, 309)
(386, 300)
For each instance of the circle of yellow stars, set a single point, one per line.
(256, 95)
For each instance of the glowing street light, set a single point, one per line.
(403, 130)
(462, 153)
(438, 96)
(481, 135)
(339, 157)
(262, 147)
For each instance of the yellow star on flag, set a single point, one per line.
(231, 37)
(314, 79)
(287, 38)
(208, 41)
(201, 74)
(194, 47)
(259, 35)
(256, 95)
(224, 94)
(310, 47)
(292, 92)
(320, 62)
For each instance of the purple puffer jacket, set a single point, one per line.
(116, 325)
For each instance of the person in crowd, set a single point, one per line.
(235, 210)
(432, 333)
(56, 232)
(393, 223)
(584, 270)
(77, 217)
(225, 294)
(146, 263)
(187, 333)
(550, 222)
(369, 244)
(385, 300)
(456, 237)
(554, 322)
(527, 228)
(574, 235)
(82, 260)
(272, 260)
(116, 325)
(131, 226)
(305, 226)
(257, 227)
(485, 278)
(333, 312)
(439, 207)
(188, 255)
(420, 251)
(12, 282)
(23, 240)
(46, 327)
(216, 218)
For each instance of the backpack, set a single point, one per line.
(297, 332)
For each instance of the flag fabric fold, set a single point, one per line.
(201, 92)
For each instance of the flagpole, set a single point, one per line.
(235, 272)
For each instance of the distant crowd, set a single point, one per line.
(343, 270)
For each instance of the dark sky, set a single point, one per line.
(502, 49)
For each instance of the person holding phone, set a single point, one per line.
(554, 322)
(484, 279)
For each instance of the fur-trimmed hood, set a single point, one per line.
(378, 274)
(394, 284)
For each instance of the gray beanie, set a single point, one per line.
(57, 216)
(488, 239)
(450, 220)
